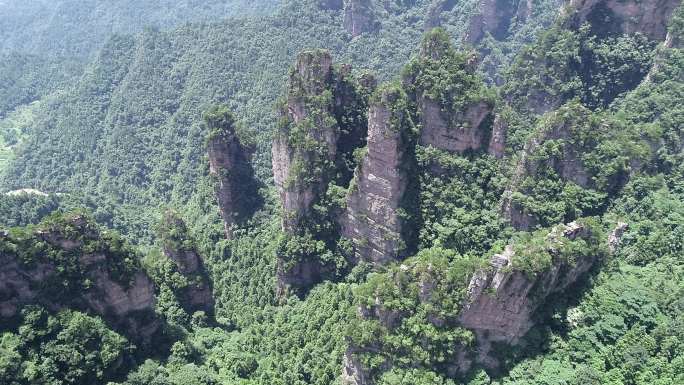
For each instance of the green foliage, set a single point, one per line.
(65, 348)
(140, 101)
(411, 311)
(62, 240)
(298, 343)
(575, 163)
(77, 28)
(655, 215)
(460, 212)
(141, 97)
(566, 64)
(25, 208)
(540, 250)
(445, 75)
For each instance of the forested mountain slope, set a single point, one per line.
(77, 28)
(45, 45)
(140, 100)
(506, 212)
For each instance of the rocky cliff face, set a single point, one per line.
(229, 163)
(495, 17)
(198, 294)
(497, 141)
(464, 130)
(610, 17)
(71, 264)
(296, 154)
(383, 184)
(502, 300)
(498, 303)
(449, 120)
(359, 17)
(323, 122)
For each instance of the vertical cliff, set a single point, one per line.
(503, 298)
(305, 148)
(323, 120)
(359, 17)
(495, 17)
(229, 163)
(614, 17)
(454, 106)
(382, 202)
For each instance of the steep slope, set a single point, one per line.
(588, 124)
(323, 123)
(229, 164)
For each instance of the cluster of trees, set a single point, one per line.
(64, 348)
(140, 101)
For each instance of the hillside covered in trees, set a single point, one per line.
(342, 192)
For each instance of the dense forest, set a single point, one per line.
(342, 192)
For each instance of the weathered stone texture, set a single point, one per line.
(372, 220)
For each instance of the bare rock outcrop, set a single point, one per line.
(69, 263)
(322, 123)
(379, 205)
(359, 17)
(498, 303)
(297, 154)
(495, 17)
(497, 141)
(449, 120)
(609, 17)
(501, 300)
(462, 131)
(229, 163)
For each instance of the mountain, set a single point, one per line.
(239, 62)
(356, 193)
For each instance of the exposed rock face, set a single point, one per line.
(434, 16)
(126, 303)
(293, 162)
(501, 300)
(383, 185)
(497, 142)
(495, 17)
(359, 17)
(449, 122)
(499, 303)
(179, 248)
(198, 295)
(465, 130)
(352, 371)
(229, 163)
(608, 17)
(323, 122)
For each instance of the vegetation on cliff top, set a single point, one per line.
(141, 99)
